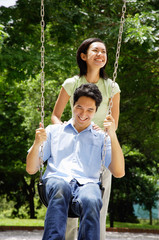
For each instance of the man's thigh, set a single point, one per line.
(85, 196)
(89, 191)
(57, 186)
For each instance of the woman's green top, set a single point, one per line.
(104, 85)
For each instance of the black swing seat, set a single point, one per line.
(41, 191)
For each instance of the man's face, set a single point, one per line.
(83, 112)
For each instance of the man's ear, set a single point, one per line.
(83, 56)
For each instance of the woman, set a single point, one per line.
(92, 60)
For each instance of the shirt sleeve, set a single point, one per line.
(116, 87)
(68, 85)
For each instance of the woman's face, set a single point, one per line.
(96, 55)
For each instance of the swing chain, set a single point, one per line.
(42, 61)
(117, 55)
(113, 82)
(42, 23)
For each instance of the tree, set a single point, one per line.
(136, 187)
(138, 128)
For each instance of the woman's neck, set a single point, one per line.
(92, 76)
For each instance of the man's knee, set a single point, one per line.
(91, 203)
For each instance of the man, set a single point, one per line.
(74, 152)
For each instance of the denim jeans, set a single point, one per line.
(86, 202)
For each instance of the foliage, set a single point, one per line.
(136, 187)
(3, 35)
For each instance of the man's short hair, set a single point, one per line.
(88, 90)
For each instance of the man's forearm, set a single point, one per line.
(32, 161)
(117, 166)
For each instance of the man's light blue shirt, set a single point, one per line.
(71, 154)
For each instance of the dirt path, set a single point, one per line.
(37, 235)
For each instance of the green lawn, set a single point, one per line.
(141, 225)
(21, 222)
(40, 222)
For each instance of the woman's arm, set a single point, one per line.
(59, 107)
(115, 111)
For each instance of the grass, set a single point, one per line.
(40, 223)
(21, 222)
(143, 224)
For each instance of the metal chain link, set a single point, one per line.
(113, 82)
(42, 23)
(117, 55)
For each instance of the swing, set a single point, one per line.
(40, 185)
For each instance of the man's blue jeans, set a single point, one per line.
(86, 203)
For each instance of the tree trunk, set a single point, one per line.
(31, 198)
(150, 212)
(111, 212)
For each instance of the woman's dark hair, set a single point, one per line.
(88, 90)
(83, 49)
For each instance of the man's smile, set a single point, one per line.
(82, 119)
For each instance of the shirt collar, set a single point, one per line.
(89, 128)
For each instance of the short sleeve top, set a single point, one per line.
(104, 85)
